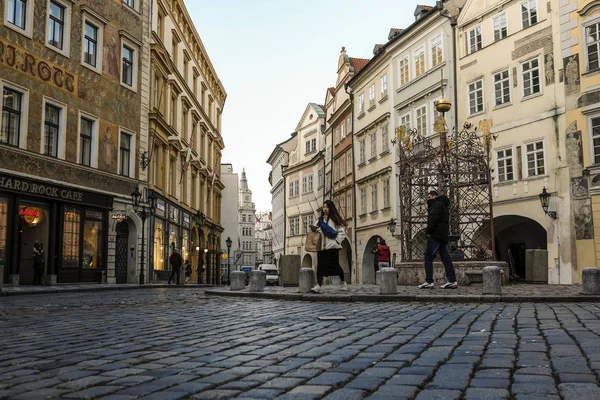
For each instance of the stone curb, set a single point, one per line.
(92, 288)
(376, 298)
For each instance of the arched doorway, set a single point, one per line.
(307, 261)
(369, 261)
(121, 252)
(514, 234)
(346, 260)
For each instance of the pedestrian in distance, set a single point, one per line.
(382, 254)
(332, 227)
(438, 230)
(188, 271)
(176, 262)
(38, 263)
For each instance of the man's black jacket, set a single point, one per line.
(438, 218)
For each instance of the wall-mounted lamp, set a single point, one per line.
(545, 200)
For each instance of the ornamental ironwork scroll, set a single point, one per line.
(458, 167)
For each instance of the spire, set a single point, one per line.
(244, 181)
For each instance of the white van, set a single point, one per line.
(272, 273)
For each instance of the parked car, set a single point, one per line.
(272, 273)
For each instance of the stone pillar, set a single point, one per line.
(378, 277)
(289, 267)
(14, 279)
(389, 281)
(50, 280)
(258, 281)
(536, 265)
(307, 280)
(492, 280)
(590, 279)
(238, 280)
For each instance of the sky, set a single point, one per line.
(276, 56)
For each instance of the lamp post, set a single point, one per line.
(392, 227)
(545, 200)
(144, 214)
(228, 243)
(199, 219)
(207, 265)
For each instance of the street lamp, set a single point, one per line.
(545, 200)
(199, 219)
(228, 243)
(144, 214)
(392, 226)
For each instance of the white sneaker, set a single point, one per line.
(344, 287)
(426, 285)
(449, 285)
(317, 289)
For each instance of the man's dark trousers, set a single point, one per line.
(434, 247)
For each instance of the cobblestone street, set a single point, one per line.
(177, 343)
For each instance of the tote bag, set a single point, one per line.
(313, 242)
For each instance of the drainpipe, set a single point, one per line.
(284, 202)
(453, 23)
(351, 95)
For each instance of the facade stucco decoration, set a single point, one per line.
(572, 81)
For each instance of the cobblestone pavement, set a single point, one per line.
(179, 343)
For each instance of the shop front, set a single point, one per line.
(69, 224)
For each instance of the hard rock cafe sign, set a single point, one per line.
(45, 71)
(29, 214)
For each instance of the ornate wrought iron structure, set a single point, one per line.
(458, 168)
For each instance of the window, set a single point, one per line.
(374, 145)
(505, 165)
(186, 67)
(307, 221)
(383, 84)
(90, 44)
(56, 25)
(374, 200)
(85, 141)
(173, 178)
(531, 77)
(592, 40)
(349, 208)
(501, 88)
(93, 239)
(294, 226)
(12, 105)
(372, 95)
(385, 140)
(404, 71)
(421, 120)
(476, 97)
(127, 66)
(342, 168)
(349, 125)
(130, 3)
(173, 109)
(595, 124)
(71, 234)
(474, 40)
(419, 61)
(349, 165)
(386, 193)
(528, 13)
(362, 152)
(160, 22)
(320, 177)
(336, 170)
(500, 27)
(405, 121)
(363, 201)
(342, 206)
(535, 158)
(361, 103)
(311, 145)
(155, 156)
(437, 54)
(51, 130)
(343, 130)
(125, 154)
(17, 14)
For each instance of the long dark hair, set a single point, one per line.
(334, 215)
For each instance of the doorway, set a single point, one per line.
(33, 227)
(516, 254)
(121, 253)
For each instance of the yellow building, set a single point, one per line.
(580, 39)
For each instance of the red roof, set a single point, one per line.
(425, 8)
(331, 90)
(358, 63)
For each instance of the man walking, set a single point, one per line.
(438, 226)
(175, 261)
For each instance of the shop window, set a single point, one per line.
(3, 229)
(92, 244)
(12, 106)
(51, 130)
(70, 243)
(159, 262)
(125, 154)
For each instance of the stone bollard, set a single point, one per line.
(238, 280)
(389, 281)
(492, 280)
(378, 277)
(590, 279)
(307, 280)
(258, 281)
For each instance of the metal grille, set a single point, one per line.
(121, 252)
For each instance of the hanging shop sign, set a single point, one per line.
(119, 217)
(29, 214)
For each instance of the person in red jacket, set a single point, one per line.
(382, 253)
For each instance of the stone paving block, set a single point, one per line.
(240, 385)
(439, 394)
(572, 365)
(216, 394)
(536, 396)
(282, 383)
(577, 391)
(528, 388)
(116, 397)
(131, 380)
(258, 393)
(451, 377)
(92, 392)
(576, 378)
(85, 382)
(45, 393)
(318, 390)
(486, 394)
(368, 383)
(330, 379)
(489, 383)
(346, 394)
(302, 373)
(164, 395)
(534, 371)
(397, 392)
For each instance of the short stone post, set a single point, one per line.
(389, 281)
(258, 281)
(590, 278)
(238, 280)
(492, 280)
(378, 277)
(307, 280)
(1, 276)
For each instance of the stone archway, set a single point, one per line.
(307, 261)
(346, 260)
(513, 235)
(369, 261)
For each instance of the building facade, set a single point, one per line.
(304, 179)
(229, 215)
(524, 96)
(74, 88)
(185, 144)
(264, 238)
(246, 253)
